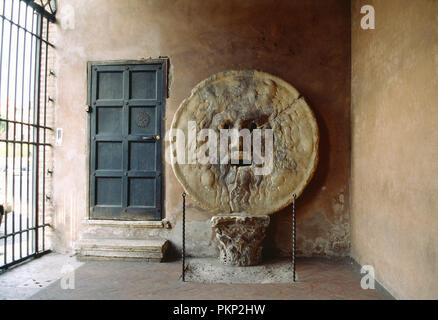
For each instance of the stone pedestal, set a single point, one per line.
(239, 238)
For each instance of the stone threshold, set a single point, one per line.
(122, 249)
(161, 224)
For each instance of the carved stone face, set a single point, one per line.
(254, 101)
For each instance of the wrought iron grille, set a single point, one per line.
(24, 127)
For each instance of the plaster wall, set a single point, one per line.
(303, 42)
(394, 183)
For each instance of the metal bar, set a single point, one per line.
(26, 142)
(7, 126)
(26, 124)
(6, 240)
(44, 133)
(17, 44)
(36, 132)
(6, 145)
(21, 132)
(30, 257)
(41, 10)
(21, 27)
(23, 231)
(49, 3)
(1, 43)
(293, 239)
(31, 70)
(183, 236)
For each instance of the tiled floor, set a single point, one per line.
(319, 279)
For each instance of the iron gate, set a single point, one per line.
(24, 127)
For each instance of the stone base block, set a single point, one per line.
(122, 249)
(239, 238)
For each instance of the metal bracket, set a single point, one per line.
(88, 109)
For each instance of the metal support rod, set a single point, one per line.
(183, 236)
(293, 238)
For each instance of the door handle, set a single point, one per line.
(149, 138)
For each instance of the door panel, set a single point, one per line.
(110, 85)
(125, 145)
(109, 121)
(109, 155)
(143, 85)
(141, 192)
(108, 191)
(138, 156)
(143, 121)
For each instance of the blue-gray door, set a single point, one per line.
(125, 141)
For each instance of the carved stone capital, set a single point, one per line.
(239, 238)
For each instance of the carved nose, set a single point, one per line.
(240, 155)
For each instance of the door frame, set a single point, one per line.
(164, 62)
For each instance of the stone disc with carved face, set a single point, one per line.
(250, 101)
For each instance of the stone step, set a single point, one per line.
(122, 249)
(112, 229)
